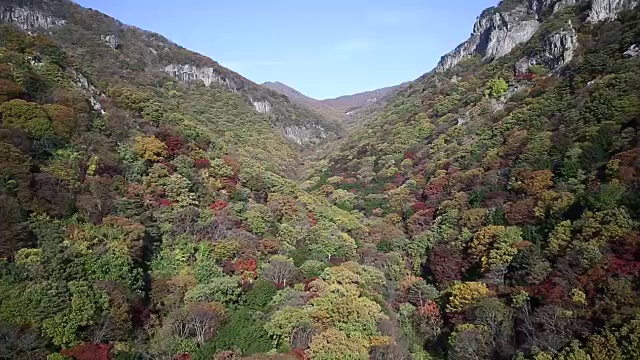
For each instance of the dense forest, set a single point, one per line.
(489, 210)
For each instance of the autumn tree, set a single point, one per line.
(465, 294)
(9, 90)
(446, 265)
(150, 148)
(429, 320)
(495, 246)
(63, 120)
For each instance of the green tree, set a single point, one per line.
(284, 321)
(496, 88)
(224, 290)
(86, 305)
(344, 308)
(328, 241)
(333, 344)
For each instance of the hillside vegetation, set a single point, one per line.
(490, 210)
(512, 199)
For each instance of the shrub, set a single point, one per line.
(496, 88)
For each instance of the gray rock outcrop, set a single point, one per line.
(207, 75)
(497, 32)
(494, 35)
(81, 82)
(558, 50)
(262, 107)
(111, 40)
(608, 9)
(549, 6)
(29, 19)
(632, 51)
(304, 136)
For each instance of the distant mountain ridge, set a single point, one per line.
(342, 108)
(300, 98)
(351, 103)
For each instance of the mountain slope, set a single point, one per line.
(137, 210)
(507, 180)
(488, 210)
(143, 56)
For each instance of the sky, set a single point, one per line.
(322, 48)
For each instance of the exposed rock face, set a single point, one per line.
(557, 51)
(552, 6)
(304, 135)
(28, 19)
(633, 51)
(560, 47)
(496, 32)
(111, 40)
(262, 106)
(192, 73)
(80, 81)
(563, 4)
(609, 9)
(494, 35)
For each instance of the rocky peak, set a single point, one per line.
(498, 31)
(29, 18)
(494, 35)
(600, 9)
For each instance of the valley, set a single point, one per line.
(157, 205)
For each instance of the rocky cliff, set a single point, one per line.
(557, 50)
(500, 29)
(208, 75)
(495, 34)
(609, 9)
(29, 18)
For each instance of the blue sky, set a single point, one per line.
(323, 48)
